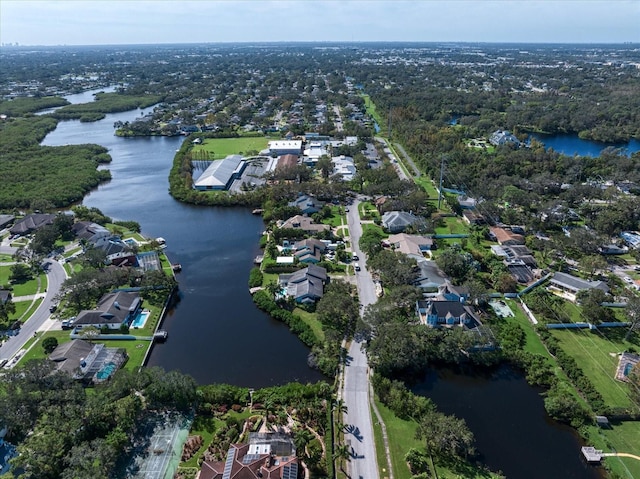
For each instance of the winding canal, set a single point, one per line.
(216, 334)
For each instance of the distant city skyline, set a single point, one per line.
(98, 22)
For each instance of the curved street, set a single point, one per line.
(358, 425)
(38, 320)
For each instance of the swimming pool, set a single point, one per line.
(106, 371)
(627, 368)
(140, 319)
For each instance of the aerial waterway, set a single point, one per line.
(216, 334)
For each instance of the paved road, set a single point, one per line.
(55, 276)
(358, 424)
(394, 161)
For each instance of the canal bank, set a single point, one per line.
(215, 333)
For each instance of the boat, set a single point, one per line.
(257, 211)
(176, 267)
(258, 259)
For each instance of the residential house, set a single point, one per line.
(92, 363)
(411, 244)
(304, 223)
(92, 233)
(443, 312)
(31, 223)
(466, 202)
(306, 285)
(569, 286)
(113, 310)
(307, 204)
(472, 217)
(266, 456)
(430, 278)
(221, 174)
(503, 137)
(6, 220)
(505, 237)
(398, 221)
(612, 249)
(309, 251)
(344, 167)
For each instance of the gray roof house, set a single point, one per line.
(305, 285)
(86, 361)
(113, 310)
(572, 285)
(304, 223)
(91, 232)
(398, 221)
(435, 313)
(6, 220)
(309, 250)
(307, 204)
(31, 223)
(503, 137)
(220, 174)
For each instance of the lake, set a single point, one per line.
(216, 334)
(512, 430)
(572, 144)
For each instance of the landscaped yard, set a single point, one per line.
(597, 354)
(368, 211)
(452, 225)
(337, 217)
(220, 148)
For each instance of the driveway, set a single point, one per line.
(357, 420)
(38, 320)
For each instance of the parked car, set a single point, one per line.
(356, 266)
(52, 308)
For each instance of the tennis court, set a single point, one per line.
(157, 454)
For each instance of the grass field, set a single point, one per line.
(534, 344)
(372, 112)
(371, 226)
(24, 309)
(597, 354)
(368, 211)
(452, 225)
(29, 287)
(219, 148)
(337, 217)
(311, 320)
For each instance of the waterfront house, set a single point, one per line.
(91, 232)
(307, 204)
(87, 362)
(436, 312)
(306, 286)
(266, 456)
(305, 224)
(220, 174)
(309, 251)
(503, 137)
(113, 310)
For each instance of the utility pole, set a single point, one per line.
(440, 187)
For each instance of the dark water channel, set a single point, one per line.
(216, 334)
(513, 433)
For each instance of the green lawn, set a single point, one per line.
(621, 437)
(219, 148)
(534, 344)
(428, 186)
(596, 353)
(368, 211)
(29, 287)
(401, 436)
(311, 319)
(36, 352)
(26, 308)
(135, 350)
(370, 226)
(337, 217)
(452, 225)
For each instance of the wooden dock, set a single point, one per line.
(591, 454)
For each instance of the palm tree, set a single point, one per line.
(341, 454)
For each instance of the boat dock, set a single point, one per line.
(591, 454)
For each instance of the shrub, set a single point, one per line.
(255, 278)
(49, 344)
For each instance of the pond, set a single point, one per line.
(512, 430)
(572, 144)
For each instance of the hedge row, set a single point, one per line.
(574, 372)
(295, 323)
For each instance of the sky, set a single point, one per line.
(96, 22)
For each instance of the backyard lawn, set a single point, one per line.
(621, 437)
(452, 225)
(311, 320)
(219, 148)
(597, 354)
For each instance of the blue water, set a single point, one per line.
(106, 371)
(571, 144)
(627, 369)
(140, 319)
